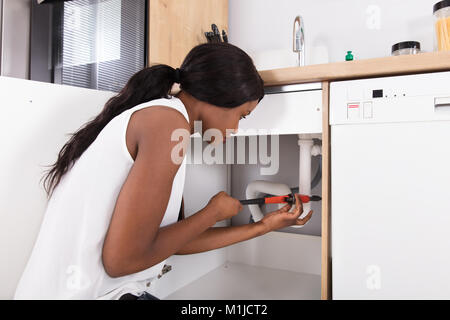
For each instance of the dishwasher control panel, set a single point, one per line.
(420, 97)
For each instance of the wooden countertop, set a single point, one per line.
(378, 67)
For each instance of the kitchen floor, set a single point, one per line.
(240, 281)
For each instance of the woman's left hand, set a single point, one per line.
(282, 218)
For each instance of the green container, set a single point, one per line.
(349, 56)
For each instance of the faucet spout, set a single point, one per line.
(299, 39)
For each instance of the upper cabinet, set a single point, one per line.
(175, 27)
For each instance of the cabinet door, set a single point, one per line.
(36, 118)
(286, 112)
(175, 27)
(390, 210)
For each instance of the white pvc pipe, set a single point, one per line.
(258, 188)
(305, 171)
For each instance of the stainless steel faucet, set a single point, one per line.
(299, 39)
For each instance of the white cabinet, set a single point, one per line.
(292, 109)
(35, 119)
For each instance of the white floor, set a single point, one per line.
(244, 282)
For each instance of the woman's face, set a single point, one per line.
(226, 119)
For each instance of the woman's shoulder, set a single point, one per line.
(156, 126)
(158, 118)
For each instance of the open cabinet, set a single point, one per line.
(282, 264)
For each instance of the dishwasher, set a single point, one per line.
(390, 194)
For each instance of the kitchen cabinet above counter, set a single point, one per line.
(378, 67)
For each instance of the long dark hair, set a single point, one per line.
(217, 73)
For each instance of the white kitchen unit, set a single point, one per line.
(289, 109)
(390, 173)
(35, 122)
(36, 118)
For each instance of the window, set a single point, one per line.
(96, 44)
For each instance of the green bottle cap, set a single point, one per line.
(349, 56)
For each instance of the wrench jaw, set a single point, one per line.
(291, 198)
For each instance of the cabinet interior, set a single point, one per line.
(282, 264)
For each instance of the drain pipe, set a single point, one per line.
(258, 188)
(307, 151)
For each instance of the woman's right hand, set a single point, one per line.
(224, 206)
(282, 218)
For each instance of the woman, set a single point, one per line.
(115, 192)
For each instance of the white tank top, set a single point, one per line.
(66, 259)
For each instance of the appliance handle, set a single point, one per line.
(442, 102)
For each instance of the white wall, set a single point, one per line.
(331, 26)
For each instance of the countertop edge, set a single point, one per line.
(368, 68)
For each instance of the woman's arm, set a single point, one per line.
(218, 237)
(134, 240)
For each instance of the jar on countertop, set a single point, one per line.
(406, 47)
(441, 11)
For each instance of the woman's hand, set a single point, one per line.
(224, 206)
(282, 218)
